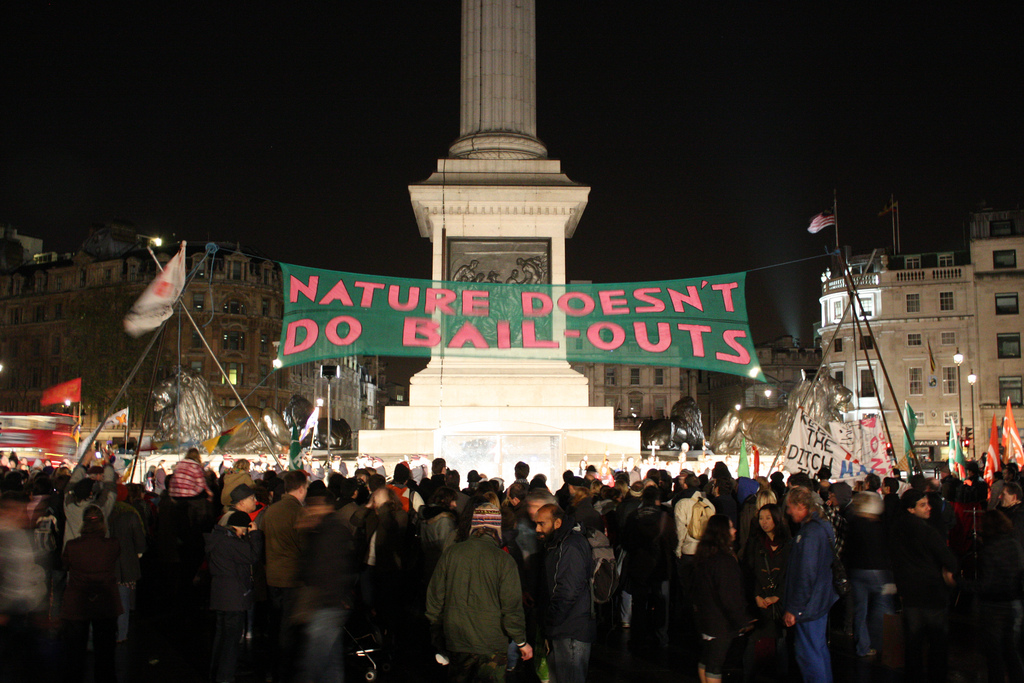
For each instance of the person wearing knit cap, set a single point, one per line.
(474, 626)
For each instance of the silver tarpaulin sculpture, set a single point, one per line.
(824, 400)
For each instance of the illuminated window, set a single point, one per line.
(234, 341)
(197, 302)
(234, 307)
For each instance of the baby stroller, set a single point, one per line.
(364, 646)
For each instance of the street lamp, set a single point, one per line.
(958, 358)
(971, 379)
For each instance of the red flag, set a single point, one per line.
(992, 463)
(1012, 449)
(58, 393)
(757, 460)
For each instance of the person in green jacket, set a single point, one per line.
(474, 601)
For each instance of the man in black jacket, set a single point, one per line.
(569, 624)
(923, 567)
(231, 551)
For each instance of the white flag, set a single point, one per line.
(157, 303)
(118, 420)
(310, 423)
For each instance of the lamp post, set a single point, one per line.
(958, 358)
(319, 405)
(971, 379)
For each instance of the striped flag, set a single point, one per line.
(1012, 449)
(893, 205)
(992, 462)
(821, 221)
(956, 453)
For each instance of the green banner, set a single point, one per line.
(695, 323)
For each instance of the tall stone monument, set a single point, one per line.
(498, 209)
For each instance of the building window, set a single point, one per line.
(914, 339)
(837, 310)
(1008, 345)
(912, 262)
(266, 307)
(945, 301)
(264, 371)
(659, 376)
(945, 260)
(867, 384)
(235, 270)
(950, 416)
(197, 366)
(197, 340)
(636, 403)
(198, 300)
(234, 307)
(837, 344)
(947, 338)
(634, 377)
(264, 343)
(39, 314)
(234, 341)
(867, 343)
(913, 303)
(915, 377)
(1004, 258)
(58, 283)
(609, 375)
(58, 310)
(235, 373)
(1006, 304)
(659, 408)
(1000, 228)
(839, 376)
(949, 380)
(1010, 388)
(867, 306)
(54, 374)
(55, 346)
(15, 316)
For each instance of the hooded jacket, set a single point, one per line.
(568, 567)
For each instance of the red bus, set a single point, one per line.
(47, 436)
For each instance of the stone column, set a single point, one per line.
(499, 81)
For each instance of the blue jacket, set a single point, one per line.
(809, 592)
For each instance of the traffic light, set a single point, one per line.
(968, 436)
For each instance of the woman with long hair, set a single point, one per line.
(719, 597)
(766, 555)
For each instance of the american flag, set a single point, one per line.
(821, 221)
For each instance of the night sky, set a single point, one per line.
(709, 132)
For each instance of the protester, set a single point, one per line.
(283, 548)
(808, 592)
(22, 591)
(870, 570)
(767, 556)
(126, 526)
(1000, 597)
(650, 541)
(237, 476)
(568, 623)
(437, 531)
(232, 549)
(474, 603)
(89, 485)
(91, 601)
(327, 572)
(720, 599)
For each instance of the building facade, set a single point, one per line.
(49, 304)
(937, 320)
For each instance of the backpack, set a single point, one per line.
(701, 512)
(605, 578)
(44, 540)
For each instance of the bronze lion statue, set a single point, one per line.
(683, 426)
(823, 400)
(297, 413)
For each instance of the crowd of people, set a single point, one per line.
(488, 581)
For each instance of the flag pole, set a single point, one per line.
(899, 241)
(835, 214)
